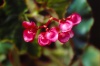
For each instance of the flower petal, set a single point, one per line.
(28, 24)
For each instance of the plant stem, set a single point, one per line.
(49, 21)
(26, 18)
(15, 56)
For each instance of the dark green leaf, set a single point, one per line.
(91, 57)
(5, 46)
(34, 49)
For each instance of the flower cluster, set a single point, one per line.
(63, 32)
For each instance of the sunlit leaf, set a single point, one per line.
(2, 57)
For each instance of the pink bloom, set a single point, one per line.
(30, 31)
(28, 24)
(52, 34)
(65, 25)
(75, 18)
(28, 35)
(65, 36)
(63, 33)
(42, 40)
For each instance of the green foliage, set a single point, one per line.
(59, 6)
(5, 46)
(91, 57)
(34, 50)
(82, 30)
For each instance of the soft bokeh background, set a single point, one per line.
(82, 50)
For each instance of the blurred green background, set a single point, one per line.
(81, 50)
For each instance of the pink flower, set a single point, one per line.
(45, 38)
(30, 31)
(62, 33)
(65, 36)
(28, 24)
(75, 18)
(65, 25)
(42, 40)
(52, 34)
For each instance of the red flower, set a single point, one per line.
(30, 31)
(28, 24)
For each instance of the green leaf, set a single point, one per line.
(84, 27)
(81, 30)
(80, 6)
(2, 57)
(14, 7)
(9, 18)
(7, 63)
(91, 57)
(59, 6)
(5, 46)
